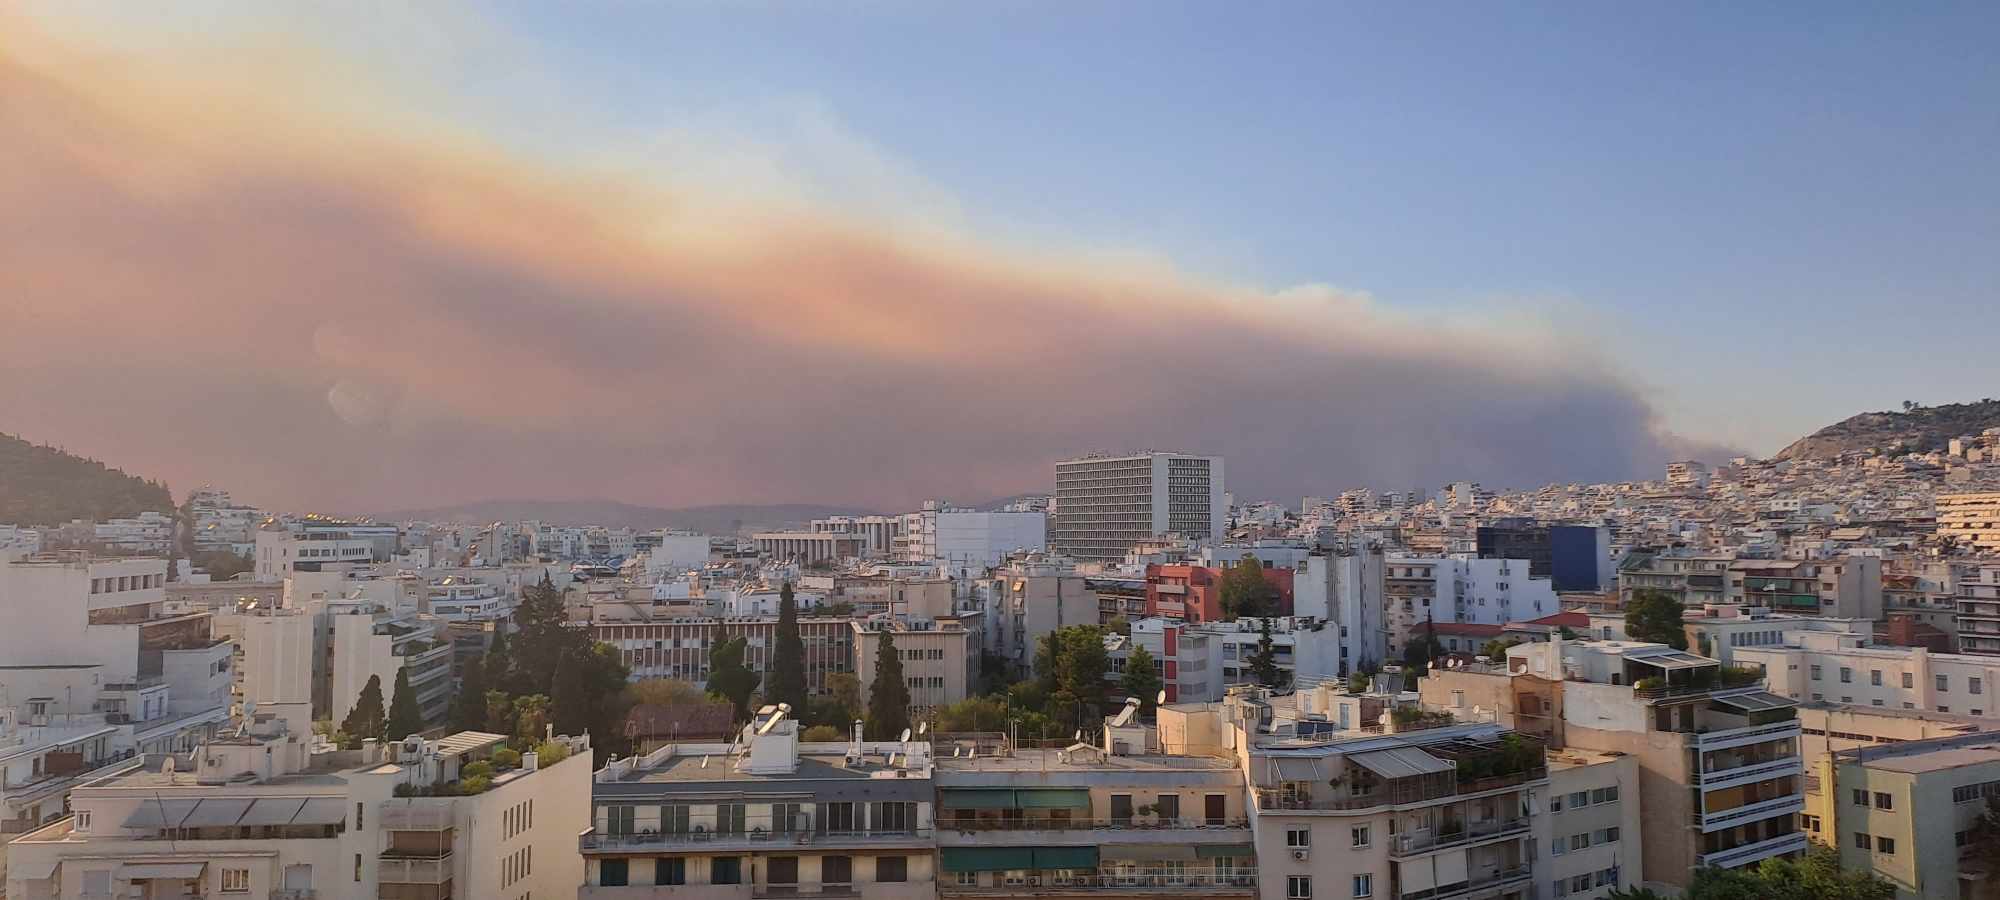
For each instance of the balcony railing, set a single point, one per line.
(1239, 881)
(592, 841)
(1750, 734)
(1407, 844)
(1717, 778)
(1749, 853)
(396, 867)
(1141, 823)
(1483, 881)
(1749, 812)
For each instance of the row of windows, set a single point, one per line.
(1581, 799)
(1756, 638)
(518, 818)
(833, 870)
(1973, 684)
(126, 583)
(1877, 701)
(1882, 800)
(517, 865)
(1300, 887)
(919, 682)
(1588, 881)
(1971, 792)
(1584, 840)
(1879, 843)
(1358, 837)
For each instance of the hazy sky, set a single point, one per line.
(864, 253)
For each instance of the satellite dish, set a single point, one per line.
(1079, 735)
(1382, 719)
(923, 727)
(1162, 698)
(906, 735)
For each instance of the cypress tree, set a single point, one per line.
(889, 696)
(366, 719)
(468, 706)
(788, 664)
(404, 717)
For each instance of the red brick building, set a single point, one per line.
(1194, 593)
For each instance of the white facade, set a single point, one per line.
(1834, 668)
(968, 543)
(1475, 591)
(279, 553)
(1346, 591)
(369, 643)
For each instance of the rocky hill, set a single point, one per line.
(46, 486)
(1917, 428)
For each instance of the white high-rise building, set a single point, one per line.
(1106, 504)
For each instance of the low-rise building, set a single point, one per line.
(1905, 812)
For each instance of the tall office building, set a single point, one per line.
(1106, 504)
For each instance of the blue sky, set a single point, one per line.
(1772, 215)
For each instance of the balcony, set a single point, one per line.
(404, 867)
(1040, 831)
(1494, 881)
(295, 894)
(1738, 737)
(709, 841)
(1745, 774)
(1749, 812)
(1239, 883)
(1419, 843)
(1750, 853)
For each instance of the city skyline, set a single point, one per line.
(348, 272)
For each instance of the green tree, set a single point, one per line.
(888, 697)
(531, 717)
(590, 697)
(729, 678)
(1423, 649)
(1816, 876)
(823, 734)
(974, 714)
(1069, 666)
(844, 691)
(469, 705)
(837, 610)
(1496, 649)
(1655, 616)
(1246, 591)
(1264, 661)
(499, 713)
(498, 662)
(1141, 680)
(664, 692)
(366, 719)
(788, 656)
(544, 637)
(405, 718)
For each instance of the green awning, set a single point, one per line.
(986, 859)
(974, 798)
(1220, 851)
(1065, 857)
(1148, 852)
(1053, 798)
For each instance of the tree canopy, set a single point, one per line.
(1264, 660)
(1069, 669)
(468, 706)
(1246, 591)
(405, 718)
(1141, 679)
(42, 485)
(366, 719)
(1655, 616)
(729, 678)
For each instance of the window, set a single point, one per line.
(1605, 836)
(1875, 702)
(235, 881)
(893, 816)
(1579, 799)
(1579, 884)
(837, 869)
(725, 870)
(892, 868)
(1359, 834)
(1364, 886)
(357, 815)
(1816, 673)
(1556, 803)
(968, 879)
(1560, 887)
(82, 821)
(1168, 807)
(1579, 841)
(1909, 680)
(1885, 845)
(1558, 847)
(1299, 887)
(1884, 801)
(1862, 841)
(1846, 675)
(614, 872)
(1605, 795)
(1860, 797)
(1944, 684)
(1875, 677)
(1607, 877)
(1974, 684)
(670, 870)
(782, 870)
(1811, 823)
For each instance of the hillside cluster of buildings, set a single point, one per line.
(1842, 638)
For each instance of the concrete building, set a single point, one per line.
(677, 647)
(968, 543)
(808, 547)
(1089, 822)
(280, 551)
(1848, 670)
(1692, 579)
(1905, 812)
(369, 642)
(1719, 767)
(1194, 593)
(1350, 592)
(275, 655)
(1570, 557)
(1848, 587)
(263, 814)
(1105, 504)
(1025, 601)
(1978, 610)
(940, 658)
(880, 535)
(763, 816)
(1970, 520)
(1687, 473)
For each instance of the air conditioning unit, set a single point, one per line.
(1300, 855)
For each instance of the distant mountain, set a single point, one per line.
(46, 486)
(1917, 429)
(705, 519)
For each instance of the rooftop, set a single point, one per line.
(1932, 755)
(1089, 759)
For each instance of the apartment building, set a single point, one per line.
(1719, 767)
(940, 657)
(1978, 610)
(267, 814)
(1828, 728)
(1845, 669)
(1194, 593)
(1570, 557)
(1028, 599)
(1692, 579)
(880, 535)
(1905, 812)
(1349, 589)
(281, 551)
(1848, 587)
(1104, 504)
(763, 816)
(1595, 826)
(1199, 662)
(1089, 821)
(1970, 520)
(677, 647)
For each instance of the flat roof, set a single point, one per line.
(1038, 760)
(1939, 760)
